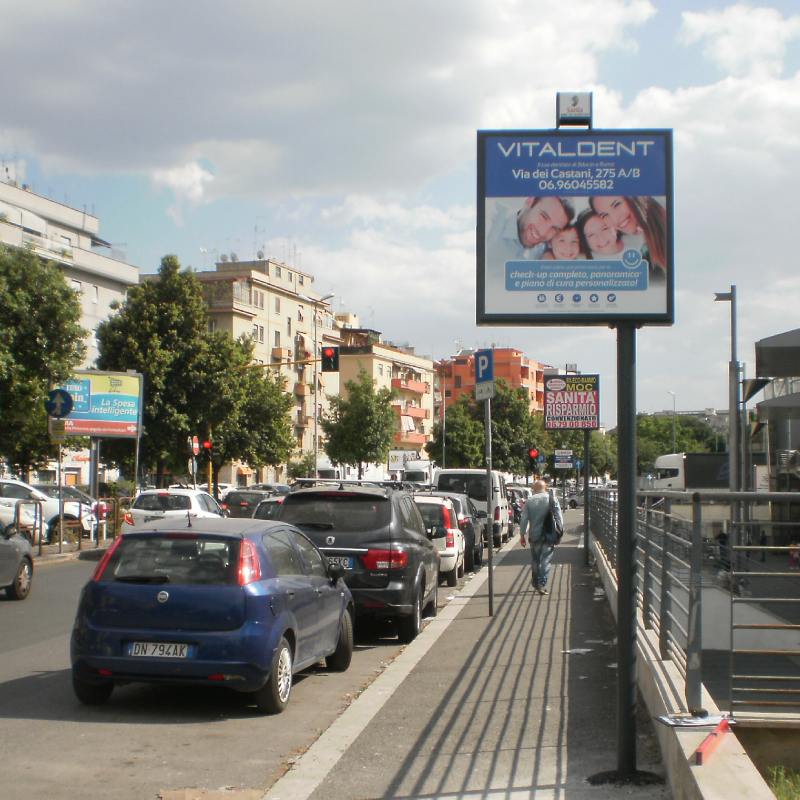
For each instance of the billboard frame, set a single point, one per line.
(663, 315)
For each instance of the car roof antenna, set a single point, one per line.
(189, 519)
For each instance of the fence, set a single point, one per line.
(702, 559)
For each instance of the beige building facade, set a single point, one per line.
(289, 324)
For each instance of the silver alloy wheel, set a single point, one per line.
(284, 674)
(24, 578)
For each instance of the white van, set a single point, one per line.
(472, 482)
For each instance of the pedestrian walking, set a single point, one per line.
(533, 516)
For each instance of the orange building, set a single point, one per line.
(457, 375)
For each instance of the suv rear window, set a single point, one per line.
(472, 485)
(344, 512)
(162, 502)
(431, 513)
(175, 561)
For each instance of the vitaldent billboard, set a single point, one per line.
(572, 402)
(575, 227)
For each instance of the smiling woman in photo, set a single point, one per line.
(643, 216)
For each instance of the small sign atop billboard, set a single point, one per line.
(574, 108)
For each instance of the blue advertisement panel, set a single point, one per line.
(575, 227)
(105, 404)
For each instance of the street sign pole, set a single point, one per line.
(489, 519)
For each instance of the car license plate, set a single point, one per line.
(159, 650)
(346, 562)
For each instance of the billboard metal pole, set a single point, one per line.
(626, 550)
(587, 454)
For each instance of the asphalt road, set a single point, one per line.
(147, 739)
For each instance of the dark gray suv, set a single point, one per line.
(379, 537)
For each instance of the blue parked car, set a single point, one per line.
(240, 603)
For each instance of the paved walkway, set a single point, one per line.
(520, 705)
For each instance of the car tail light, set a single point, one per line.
(104, 560)
(249, 565)
(463, 522)
(224, 506)
(450, 540)
(448, 522)
(385, 559)
(497, 513)
(129, 518)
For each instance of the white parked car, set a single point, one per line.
(441, 521)
(12, 492)
(160, 503)
(27, 521)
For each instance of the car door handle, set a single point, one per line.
(291, 594)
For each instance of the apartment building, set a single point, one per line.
(397, 367)
(456, 376)
(289, 324)
(94, 267)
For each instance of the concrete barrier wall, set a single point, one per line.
(729, 774)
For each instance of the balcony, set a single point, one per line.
(281, 354)
(301, 418)
(302, 389)
(412, 411)
(412, 438)
(417, 387)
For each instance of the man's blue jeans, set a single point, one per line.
(541, 554)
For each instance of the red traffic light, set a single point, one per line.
(207, 446)
(327, 351)
(533, 452)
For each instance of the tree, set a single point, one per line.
(242, 411)
(303, 467)
(654, 438)
(41, 342)
(513, 428)
(464, 437)
(158, 332)
(360, 428)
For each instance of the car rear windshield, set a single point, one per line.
(431, 514)
(162, 502)
(177, 561)
(267, 510)
(472, 485)
(345, 512)
(245, 498)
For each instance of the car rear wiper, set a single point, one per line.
(323, 526)
(143, 578)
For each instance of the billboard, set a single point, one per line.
(572, 402)
(575, 227)
(105, 404)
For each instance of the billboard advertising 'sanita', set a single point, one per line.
(575, 227)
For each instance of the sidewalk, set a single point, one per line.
(520, 705)
(69, 552)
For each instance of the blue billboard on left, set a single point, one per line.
(105, 404)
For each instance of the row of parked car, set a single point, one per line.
(185, 595)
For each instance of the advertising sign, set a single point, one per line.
(572, 402)
(105, 404)
(575, 227)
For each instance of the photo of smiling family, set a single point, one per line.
(597, 228)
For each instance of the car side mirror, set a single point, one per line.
(335, 571)
(482, 514)
(437, 532)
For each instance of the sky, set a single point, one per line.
(341, 139)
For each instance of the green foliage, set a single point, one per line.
(41, 342)
(784, 783)
(464, 438)
(360, 429)
(513, 428)
(195, 383)
(303, 467)
(654, 438)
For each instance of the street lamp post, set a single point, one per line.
(316, 304)
(674, 446)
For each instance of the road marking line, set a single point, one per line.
(311, 768)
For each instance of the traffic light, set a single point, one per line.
(533, 454)
(330, 359)
(208, 449)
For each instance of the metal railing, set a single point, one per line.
(724, 551)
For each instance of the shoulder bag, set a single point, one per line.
(552, 529)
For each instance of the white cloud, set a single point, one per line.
(741, 39)
(186, 184)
